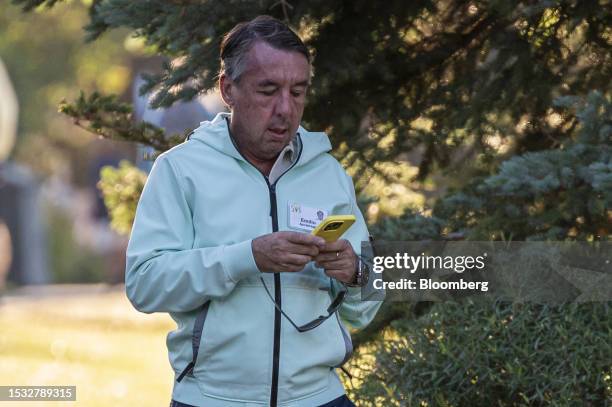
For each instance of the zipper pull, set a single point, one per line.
(272, 199)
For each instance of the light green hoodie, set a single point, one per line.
(190, 255)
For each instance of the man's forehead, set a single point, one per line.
(269, 64)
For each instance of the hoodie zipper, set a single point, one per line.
(277, 299)
(277, 286)
(277, 279)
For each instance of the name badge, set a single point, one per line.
(305, 218)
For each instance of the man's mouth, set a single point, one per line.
(278, 130)
(278, 134)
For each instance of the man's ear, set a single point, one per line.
(226, 87)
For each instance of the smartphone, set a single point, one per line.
(332, 227)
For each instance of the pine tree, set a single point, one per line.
(443, 76)
(554, 194)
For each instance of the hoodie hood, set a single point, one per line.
(216, 134)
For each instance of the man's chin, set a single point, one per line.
(273, 149)
(273, 143)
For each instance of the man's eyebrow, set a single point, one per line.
(266, 83)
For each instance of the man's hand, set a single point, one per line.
(339, 260)
(285, 251)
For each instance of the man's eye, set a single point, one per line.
(267, 92)
(297, 93)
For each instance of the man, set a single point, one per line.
(222, 240)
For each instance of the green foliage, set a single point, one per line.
(121, 188)
(555, 194)
(470, 70)
(444, 78)
(409, 226)
(480, 354)
(112, 119)
(28, 5)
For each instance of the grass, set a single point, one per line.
(91, 337)
(114, 355)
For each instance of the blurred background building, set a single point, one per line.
(23, 251)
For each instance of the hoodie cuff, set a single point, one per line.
(240, 263)
(354, 293)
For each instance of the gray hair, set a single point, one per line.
(237, 43)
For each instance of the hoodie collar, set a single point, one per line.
(215, 133)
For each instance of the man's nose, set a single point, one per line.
(283, 103)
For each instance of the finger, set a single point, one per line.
(337, 246)
(295, 260)
(329, 256)
(346, 253)
(304, 239)
(307, 250)
(339, 264)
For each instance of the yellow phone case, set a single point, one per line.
(332, 227)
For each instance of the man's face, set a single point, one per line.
(268, 100)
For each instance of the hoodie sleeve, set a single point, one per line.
(164, 272)
(354, 311)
